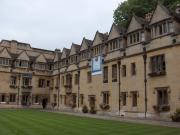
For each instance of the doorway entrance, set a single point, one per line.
(26, 99)
(92, 100)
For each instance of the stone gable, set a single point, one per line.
(23, 56)
(5, 54)
(97, 39)
(73, 50)
(41, 58)
(84, 45)
(160, 13)
(113, 32)
(134, 25)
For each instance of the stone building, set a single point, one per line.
(138, 73)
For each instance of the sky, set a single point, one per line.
(51, 24)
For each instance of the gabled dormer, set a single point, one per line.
(98, 43)
(65, 53)
(5, 54)
(64, 57)
(85, 48)
(41, 63)
(41, 59)
(23, 56)
(22, 60)
(5, 57)
(115, 38)
(162, 22)
(115, 31)
(135, 31)
(99, 38)
(86, 43)
(73, 55)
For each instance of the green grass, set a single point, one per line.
(34, 122)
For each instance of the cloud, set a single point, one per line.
(51, 24)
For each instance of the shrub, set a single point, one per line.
(176, 116)
(85, 109)
(92, 110)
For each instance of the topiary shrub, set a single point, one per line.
(92, 110)
(85, 109)
(176, 116)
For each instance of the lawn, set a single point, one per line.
(34, 122)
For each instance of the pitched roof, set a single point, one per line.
(74, 49)
(65, 53)
(5, 53)
(136, 23)
(140, 20)
(77, 47)
(103, 36)
(99, 38)
(86, 43)
(23, 56)
(41, 58)
(89, 42)
(116, 31)
(163, 13)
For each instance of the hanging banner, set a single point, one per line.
(96, 65)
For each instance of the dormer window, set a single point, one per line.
(40, 66)
(97, 50)
(4, 62)
(84, 55)
(21, 63)
(114, 44)
(136, 37)
(161, 28)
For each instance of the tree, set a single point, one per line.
(126, 9)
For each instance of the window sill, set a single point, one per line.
(26, 87)
(155, 74)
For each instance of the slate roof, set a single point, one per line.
(77, 47)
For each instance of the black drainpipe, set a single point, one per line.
(119, 84)
(59, 85)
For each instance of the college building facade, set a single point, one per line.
(132, 72)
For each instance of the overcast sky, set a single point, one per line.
(51, 24)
